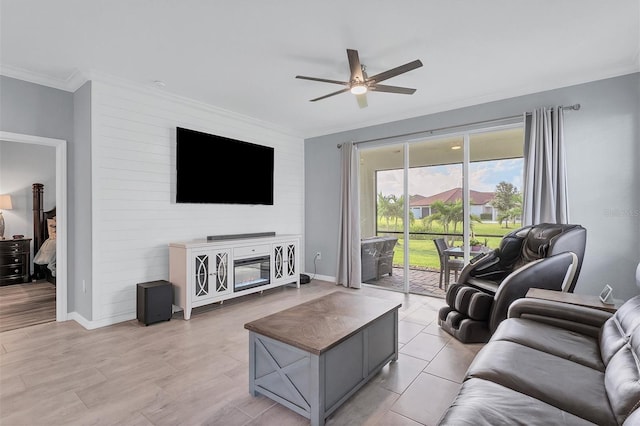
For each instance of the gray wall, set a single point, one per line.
(604, 183)
(32, 109)
(37, 110)
(79, 199)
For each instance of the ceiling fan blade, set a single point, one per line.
(330, 94)
(354, 65)
(362, 100)
(392, 89)
(396, 71)
(324, 80)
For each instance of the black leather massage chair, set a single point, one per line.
(547, 256)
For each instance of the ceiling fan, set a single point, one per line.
(359, 83)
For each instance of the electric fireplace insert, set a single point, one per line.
(252, 272)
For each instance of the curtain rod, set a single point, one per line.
(574, 107)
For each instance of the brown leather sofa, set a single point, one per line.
(553, 363)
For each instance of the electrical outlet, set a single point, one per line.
(318, 255)
(84, 287)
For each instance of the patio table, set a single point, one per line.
(458, 252)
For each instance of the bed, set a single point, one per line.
(44, 237)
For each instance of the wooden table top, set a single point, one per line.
(573, 298)
(319, 324)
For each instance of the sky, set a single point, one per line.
(426, 181)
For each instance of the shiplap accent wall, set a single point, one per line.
(135, 216)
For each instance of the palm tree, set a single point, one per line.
(445, 213)
(448, 213)
(384, 207)
(391, 206)
(397, 209)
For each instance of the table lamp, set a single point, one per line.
(5, 204)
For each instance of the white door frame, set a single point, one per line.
(61, 212)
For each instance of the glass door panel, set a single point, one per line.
(495, 185)
(382, 216)
(435, 188)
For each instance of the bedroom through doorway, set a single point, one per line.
(34, 175)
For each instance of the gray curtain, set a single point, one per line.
(349, 273)
(545, 176)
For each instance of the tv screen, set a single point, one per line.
(218, 170)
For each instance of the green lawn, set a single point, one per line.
(422, 251)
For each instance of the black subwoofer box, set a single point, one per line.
(154, 301)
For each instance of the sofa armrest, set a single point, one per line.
(576, 318)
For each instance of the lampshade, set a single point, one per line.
(5, 202)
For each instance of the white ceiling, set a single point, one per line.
(243, 55)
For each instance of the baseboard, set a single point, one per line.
(91, 325)
(321, 277)
(79, 319)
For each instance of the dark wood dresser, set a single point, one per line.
(15, 261)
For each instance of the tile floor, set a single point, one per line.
(196, 372)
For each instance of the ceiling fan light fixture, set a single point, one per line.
(359, 89)
(360, 83)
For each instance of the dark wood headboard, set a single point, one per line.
(50, 214)
(40, 228)
(38, 217)
(41, 231)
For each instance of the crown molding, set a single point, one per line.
(534, 87)
(78, 78)
(70, 84)
(152, 90)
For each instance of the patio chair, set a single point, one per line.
(370, 252)
(377, 257)
(385, 259)
(447, 263)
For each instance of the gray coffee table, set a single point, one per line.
(312, 357)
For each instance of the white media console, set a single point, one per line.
(204, 272)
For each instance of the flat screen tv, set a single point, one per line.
(218, 170)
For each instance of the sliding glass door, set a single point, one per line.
(382, 216)
(439, 199)
(495, 187)
(435, 188)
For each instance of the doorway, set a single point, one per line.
(60, 147)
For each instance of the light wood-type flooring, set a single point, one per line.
(196, 372)
(23, 305)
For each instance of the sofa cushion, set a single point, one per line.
(557, 341)
(622, 378)
(616, 331)
(481, 402)
(565, 384)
